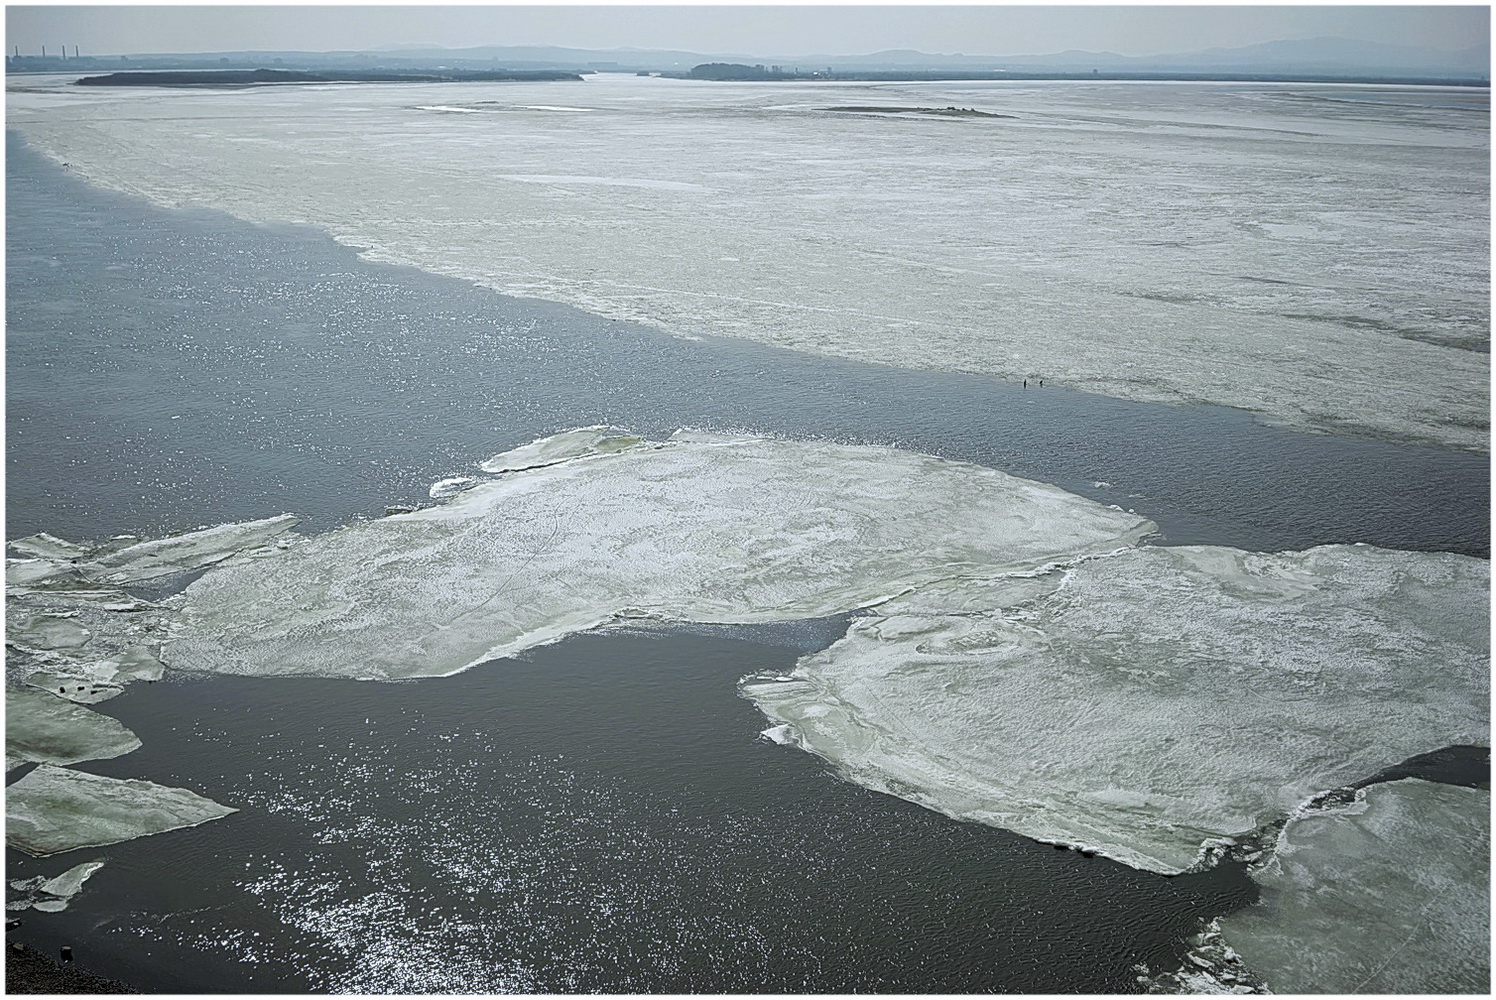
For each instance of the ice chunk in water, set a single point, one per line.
(443, 489)
(53, 895)
(44, 728)
(181, 553)
(1390, 895)
(598, 440)
(731, 530)
(1157, 699)
(66, 885)
(53, 809)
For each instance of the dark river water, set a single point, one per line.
(601, 814)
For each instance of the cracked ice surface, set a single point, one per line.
(53, 809)
(45, 728)
(1147, 702)
(699, 528)
(1388, 895)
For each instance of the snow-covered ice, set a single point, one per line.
(1145, 703)
(699, 528)
(1388, 895)
(1309, 253)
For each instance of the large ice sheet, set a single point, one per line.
(42, 727)
(699, 528)
(53, 809)
(1142, 704)
(1318, 255)
(1389, 895)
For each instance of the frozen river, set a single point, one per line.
(1315, 254)
(1079, 612)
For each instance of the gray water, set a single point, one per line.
(601, 814)
(173, 369)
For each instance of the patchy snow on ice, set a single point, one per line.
(700, 528)
(1322, 262)
(1388, 895)
(53, 809)
(1143, 704)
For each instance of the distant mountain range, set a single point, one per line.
(1313, 57)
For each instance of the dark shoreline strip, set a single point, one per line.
(28, 971)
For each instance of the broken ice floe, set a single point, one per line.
(444, 489)
(699, 528)
(597, 440)
(44, 728)
(1145, 703)
(1210, 968)
(51, 895)
(54, 809)
(45, 546)
(1030, 666)
(182, 553)
(1389, 894)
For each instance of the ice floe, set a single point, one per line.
(561, 447)
(444, 489)
(1030, 664)
(1387, 895)
(51, 895)
(44, 728)
(1148, 703)
(53, 809)
(600, 526)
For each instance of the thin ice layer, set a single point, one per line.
(44, 728)
(1144, 703)
(705, 529)
(1390, 895)
(53, 809)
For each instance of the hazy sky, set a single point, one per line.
(747, 29)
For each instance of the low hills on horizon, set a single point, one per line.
(1315, 57)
